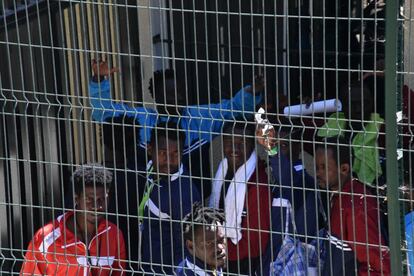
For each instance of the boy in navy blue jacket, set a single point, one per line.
(168, 197)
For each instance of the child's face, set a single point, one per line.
(166, 156)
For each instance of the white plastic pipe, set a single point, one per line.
(328, 106)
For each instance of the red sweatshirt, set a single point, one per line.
(355, 220)
(256, 223)
(55, 250)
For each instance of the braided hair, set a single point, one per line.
(201, 217)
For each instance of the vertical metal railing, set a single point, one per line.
(394, 218)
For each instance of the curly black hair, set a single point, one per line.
(201, 217)
(91, 175)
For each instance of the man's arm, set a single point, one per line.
(209, 118)
(103, 107)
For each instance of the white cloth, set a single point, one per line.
(235, 197)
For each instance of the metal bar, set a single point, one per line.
(391, 134)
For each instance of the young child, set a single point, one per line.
(80, 242)
(169, 195)
(354, 215)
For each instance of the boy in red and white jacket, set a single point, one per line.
(80, 242)
(354, 214)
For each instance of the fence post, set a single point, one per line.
(394, 221)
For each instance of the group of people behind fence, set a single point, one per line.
(156, 210)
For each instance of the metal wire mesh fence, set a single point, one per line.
(206, 137)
